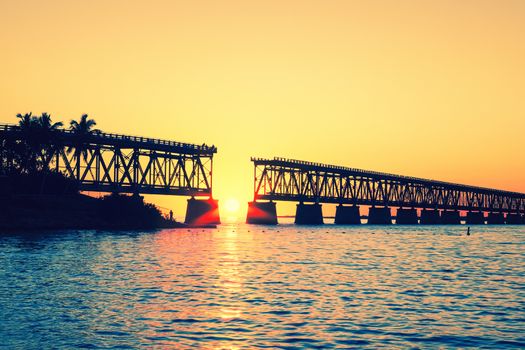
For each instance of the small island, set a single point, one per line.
(35, 197)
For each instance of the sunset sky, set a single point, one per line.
(433, 89)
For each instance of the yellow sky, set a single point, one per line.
(427, 88)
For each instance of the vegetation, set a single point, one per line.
(30, 156)
(82, 130)
(40, 140)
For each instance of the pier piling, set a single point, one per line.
(309, 214)
(202, 212)
(347, 215)
(262, 213)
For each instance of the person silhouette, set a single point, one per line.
(171, 215)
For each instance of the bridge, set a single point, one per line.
(311, 184)
(109, 162)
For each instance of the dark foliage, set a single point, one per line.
(125, 210)
(40, 182)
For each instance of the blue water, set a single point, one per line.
(248, 287)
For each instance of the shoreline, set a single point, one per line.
(28, 212)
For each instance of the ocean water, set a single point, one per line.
(254, 287)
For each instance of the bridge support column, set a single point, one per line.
(309, 214)
(475, 218)
(495, 219)
(514, 219)
(406, 217)
(450, 217)
(202, 212)
(379, 216)
(262, 213)
(347, 215)
(430, 217)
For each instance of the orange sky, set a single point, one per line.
(426, 88)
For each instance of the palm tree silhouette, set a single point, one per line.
(46, 124)
(83, 131)
(25, 151)
(26, 122)
(48, 138)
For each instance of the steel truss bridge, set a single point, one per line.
(126, 164)
(281, 179)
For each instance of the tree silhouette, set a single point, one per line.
(83, 131)
(40, 140)
(48, 138)
(26, 122)
(25, 151)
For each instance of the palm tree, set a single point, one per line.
(40, 140)
(83, 130)
(26, 122)
(45, 123)
(17, 155)
(47, 137)
(25, 151)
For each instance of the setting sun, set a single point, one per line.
(232, 206)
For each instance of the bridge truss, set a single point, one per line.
(125, 164)
(283, 179)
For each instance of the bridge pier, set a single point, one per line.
(379, 216)
(345, 215)
(406, 217)
(309, 214)
(430, 217)
(475, 218)
(202, 212)
(450, 217)
(262, 213)
(495, 219)
(514, 219)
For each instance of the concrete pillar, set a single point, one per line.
(450, 217)
(430, 217)
(514, 219)
(348, 215)
(475, 218)
(202, 212)
(406, 217)
(309, 214)
(379, 216)
(495, 219)
(262, 213)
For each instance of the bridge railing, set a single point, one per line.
(106, 136)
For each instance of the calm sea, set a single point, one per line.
(249, 287)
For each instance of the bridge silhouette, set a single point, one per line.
(311, 184)
(118, 163)
(132, 164)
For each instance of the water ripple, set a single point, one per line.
(238, 287)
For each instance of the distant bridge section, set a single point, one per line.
(281, 179)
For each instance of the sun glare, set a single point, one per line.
(232, 206)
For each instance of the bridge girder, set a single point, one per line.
(291, 180)
(126, 164)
